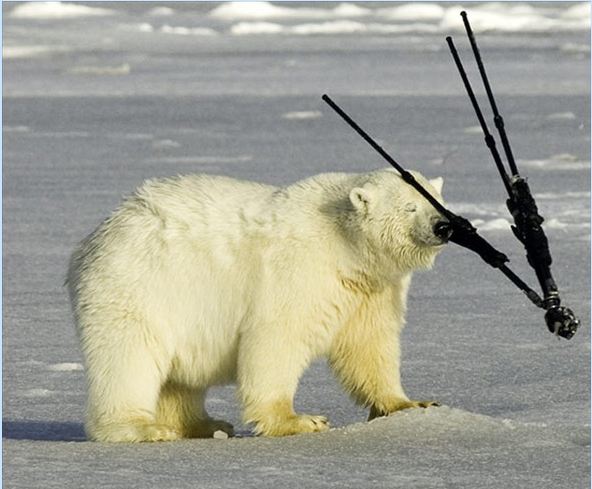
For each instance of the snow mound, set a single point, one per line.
(432, 422)
(56, 10)
(448, 427)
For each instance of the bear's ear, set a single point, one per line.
(361, 198)
(437, 183)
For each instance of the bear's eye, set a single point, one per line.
(410, 207)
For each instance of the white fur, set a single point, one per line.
(199, 280)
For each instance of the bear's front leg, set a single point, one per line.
(269, 367)
(365, 355)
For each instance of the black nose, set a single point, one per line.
(443, 230)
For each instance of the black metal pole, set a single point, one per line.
(521, 204)
(497, 118)
(489, 140)
(407, 176)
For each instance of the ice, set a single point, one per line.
(328, 28)
(578, 11)
(499, 224)
(516, 400)
(562, 116)
(165, 143)
(187, 31)
(570, 47)
(206, 160)
(161, 12)
(562, 162)
(248, 28)
(65, 367)
(264, 10)
(37, 393)
(350, 10)
(56, 10)
(118, 70)
(220, 435)
(331, 27)
(24, 52)
(414, 11)
(410, 17)
(302, 114)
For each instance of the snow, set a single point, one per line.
(255, 17)
(516, 400)
(185, 31)
(499, 224)
(230, 11)
(414, 12)
(161, 12)
(302, 114)
(56, 10)
(562, 162)
(65, 367)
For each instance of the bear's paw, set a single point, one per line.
(294, 425)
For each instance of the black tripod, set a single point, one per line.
(560, 320)
(521, 204)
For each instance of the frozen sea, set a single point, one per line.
(99, 96)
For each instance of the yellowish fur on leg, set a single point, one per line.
(398, 405)
(133, 431)
(279, 419)
(183, 408)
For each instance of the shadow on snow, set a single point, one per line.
(43, 430)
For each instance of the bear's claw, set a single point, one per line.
(400, 406)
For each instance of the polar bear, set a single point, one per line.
(204, 280)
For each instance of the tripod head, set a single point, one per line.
(562, 321)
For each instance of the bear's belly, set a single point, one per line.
(205, 360)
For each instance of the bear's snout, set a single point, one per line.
(443, 230)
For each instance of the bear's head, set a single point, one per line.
(399, 225)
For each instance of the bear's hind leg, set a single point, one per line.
(182, 408)
(123, 393)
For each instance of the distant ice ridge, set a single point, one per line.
(565, 211)
(265, 10)
(561, 162)
(256, 17)
(170, 29)
(343, 26)
(56, 10)
(34, 51)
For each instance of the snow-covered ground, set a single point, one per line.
(100, 96)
